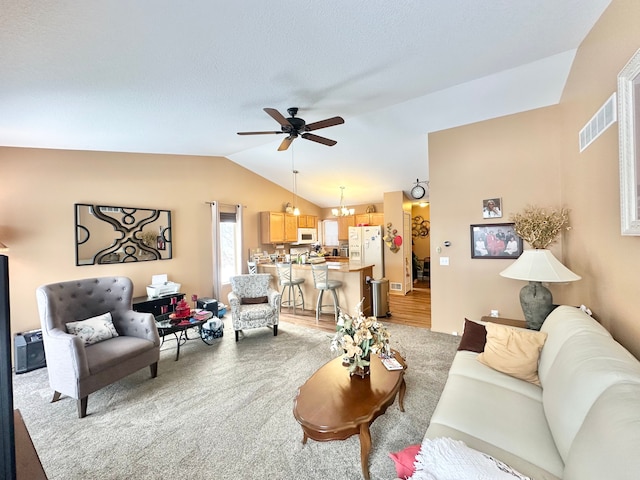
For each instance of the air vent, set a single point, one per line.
(599, 122)
(395, 286)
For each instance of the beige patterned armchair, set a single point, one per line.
(100, 351)
(254, 303)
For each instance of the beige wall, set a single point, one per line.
(37, 215)
(607, 261)
(503, 158)
(533, 158)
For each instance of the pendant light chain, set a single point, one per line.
(296, 210)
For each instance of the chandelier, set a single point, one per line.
(342, 211)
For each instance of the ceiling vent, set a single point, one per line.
(599, 122)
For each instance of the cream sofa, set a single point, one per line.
(582, 423)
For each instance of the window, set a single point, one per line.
(226, 236)
(330, 232)
(230, 252)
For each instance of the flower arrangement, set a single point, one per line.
(540, 227)
(148, 238)
(356, 338)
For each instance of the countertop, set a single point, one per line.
(336, 266)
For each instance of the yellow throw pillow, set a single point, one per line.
(513, 351)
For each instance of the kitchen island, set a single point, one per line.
(354, 284)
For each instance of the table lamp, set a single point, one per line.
(536, 266)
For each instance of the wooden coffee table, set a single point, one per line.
(331, 405)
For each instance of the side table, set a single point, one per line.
(505, 321)
(154, 304)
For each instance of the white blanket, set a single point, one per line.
(447, 459)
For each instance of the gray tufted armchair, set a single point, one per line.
(76, 369)
(253, 302)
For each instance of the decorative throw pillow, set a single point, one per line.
(253, 300)
(404, 461)
(513, 351)
(94, 329)
(474, 336)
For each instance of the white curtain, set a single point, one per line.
(221, 212)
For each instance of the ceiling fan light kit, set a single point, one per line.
(296, 127)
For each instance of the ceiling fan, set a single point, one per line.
(296, 127)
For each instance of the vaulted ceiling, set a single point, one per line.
(160, 76)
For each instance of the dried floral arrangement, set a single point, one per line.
(540, 227)
(148, 238)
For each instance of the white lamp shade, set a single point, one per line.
(539, 266)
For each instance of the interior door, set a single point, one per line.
(407, 251)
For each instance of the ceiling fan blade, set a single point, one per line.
(319, 139)
(286, 142)
(257, 133)
(329, 122)
(278, 117)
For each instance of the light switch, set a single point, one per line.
(444, 260)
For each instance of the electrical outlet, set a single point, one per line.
(444, 260)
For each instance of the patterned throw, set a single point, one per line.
(448, 459)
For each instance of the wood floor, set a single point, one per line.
(412, 309)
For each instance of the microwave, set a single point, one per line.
(307, 236)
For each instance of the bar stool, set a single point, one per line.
(253, 268)
(321, 282)
(289, 283)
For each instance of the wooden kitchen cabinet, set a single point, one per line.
(272, 227)
(307, 221)
(290, 228)
(370, 219)
(343, 226)
(376, 219)
(278, 227)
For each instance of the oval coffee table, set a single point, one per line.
(331, 405)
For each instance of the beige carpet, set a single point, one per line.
(225, 412)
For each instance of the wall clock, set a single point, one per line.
(418, 192)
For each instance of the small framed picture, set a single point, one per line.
(495, 240)
(492, 208)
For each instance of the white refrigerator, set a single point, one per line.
(366, 248)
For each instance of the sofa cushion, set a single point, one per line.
(466, 364)
(608, 442)
(583, 369)
(474, 337)
(563, 323)
(115, 351)
(507, 419)
(93, 330)
(513, 351)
